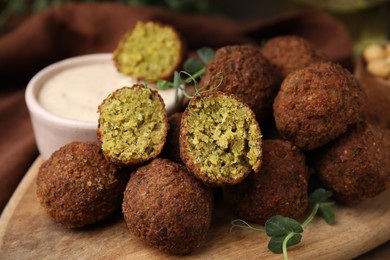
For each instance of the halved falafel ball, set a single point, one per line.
(280, 188)
(220, 140)
(133, 125)
(150, 51)
(288, 53)
(167, 207)
(355, 166)
(316, 104)
(77, 186)
(243, 71)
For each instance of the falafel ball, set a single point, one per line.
(167, 207)
(288, 53)
(280, 188)
(77, 186)
(355, 166)
(133, 125)
(150, 51)
(316, 104)
(220, 139)
(243, 71)
(171, 149)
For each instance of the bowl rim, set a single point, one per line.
(35, 84)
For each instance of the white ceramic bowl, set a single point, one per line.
(52, 131)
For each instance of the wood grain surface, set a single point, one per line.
(26, 232)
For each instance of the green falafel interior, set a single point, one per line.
(222, 138)
(149, 51)
(132, 124)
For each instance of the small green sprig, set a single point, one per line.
(284, 231)
(193, 69)
(239, 223)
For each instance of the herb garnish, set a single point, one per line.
(193, 69)
(284, 231)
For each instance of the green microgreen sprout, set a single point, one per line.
(284, 231)
(239, 223)
(193, 69)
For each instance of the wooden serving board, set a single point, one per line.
(26, 232)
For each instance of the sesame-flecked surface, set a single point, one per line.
(167, 207)
(78, 186)
(280, 188)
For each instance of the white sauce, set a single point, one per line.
(76, 93)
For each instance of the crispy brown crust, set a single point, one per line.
(280, 188)
(132, 162)
(246, 74)
(288, 53)
(169, 74)
(317, 104)
(184, 148)
(167, 207)
(77, 186)
(356, 165)
(171, 149)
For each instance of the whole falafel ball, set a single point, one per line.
(167, 207)
(149, 51)
(133, 125)
(77, 186)
(171, 149)
(355, 166)
(280, 188)
(288, 53)
(316, 104)
(243, 71)
(220, 139)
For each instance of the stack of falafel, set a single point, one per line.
(162, 170)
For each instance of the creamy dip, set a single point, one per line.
(76, 92)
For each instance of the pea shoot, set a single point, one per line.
(284, 231)
(193, 69)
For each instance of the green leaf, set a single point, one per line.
(176, 95)
(319, 195)
(281, 226)
(176, 85)
(276, 243)
(326, 212)
(192, 65)
(206, 54)
(163, 84)
(176, 80)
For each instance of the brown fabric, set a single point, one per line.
(323, 31)
(74, 29)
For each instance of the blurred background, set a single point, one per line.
(367, 20)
